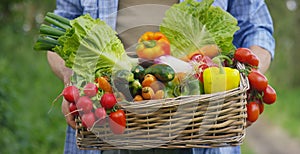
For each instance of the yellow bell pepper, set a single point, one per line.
(217, 79)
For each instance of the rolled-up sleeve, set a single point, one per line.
(255, 22)
(68, 8)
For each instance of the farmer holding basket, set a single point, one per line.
(130, 18)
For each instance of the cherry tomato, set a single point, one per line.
(257, 80)
(260, 105)
(242, 55)
(269, 95)
(252, 111)
(117, 122)
(253, 60)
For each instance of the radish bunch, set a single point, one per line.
(90, 103)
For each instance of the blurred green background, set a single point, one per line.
(28, 86)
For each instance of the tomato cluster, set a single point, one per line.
(85, 102)
(260, 92)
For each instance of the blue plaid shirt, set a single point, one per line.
(254, 20)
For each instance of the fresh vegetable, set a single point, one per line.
(84, 104)
(252, 111)
(100, 114)
(86, 45)
(159, 94)
(269, 95)
(178, 65)
(253, 61)
(104, 84)
(217, 79)
(157, 85)
(151, 45)
(191, 25)
(73, 109)
(138, 72)
(260, 105)
(147, 93)
(148, 80)
(200, 70)
(108, 100)
(117, 122)
(245, 55)
(257, 80)
(162, 72)
(137, 98)
(71, 93)
(90, 89)
(135, 87)
(88, 120)
(242, 55)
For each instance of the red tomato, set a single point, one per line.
(242, 55)
(257, 80)
(253, 60)
(260, 105)
(252, 111)
(117, 122)
(269, 95)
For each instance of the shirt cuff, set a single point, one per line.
(263, 39)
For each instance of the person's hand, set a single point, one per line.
(264, 57)
(70, 119)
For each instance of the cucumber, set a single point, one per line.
(162, 72)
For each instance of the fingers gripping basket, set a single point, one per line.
(210, 120)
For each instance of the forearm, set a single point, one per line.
(58, 67)
(264, 57)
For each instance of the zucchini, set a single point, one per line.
(162, 72)
(138, 72)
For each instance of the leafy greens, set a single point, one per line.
(190, 25)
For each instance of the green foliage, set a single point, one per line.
(27, 88)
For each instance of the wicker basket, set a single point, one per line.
(210, 120)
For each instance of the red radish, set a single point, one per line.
(108, 100)
(73, 109)
(71, 93)
(90, 89)
(85, 104)
(100, 114)
(88, 119)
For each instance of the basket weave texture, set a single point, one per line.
(209, 120)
